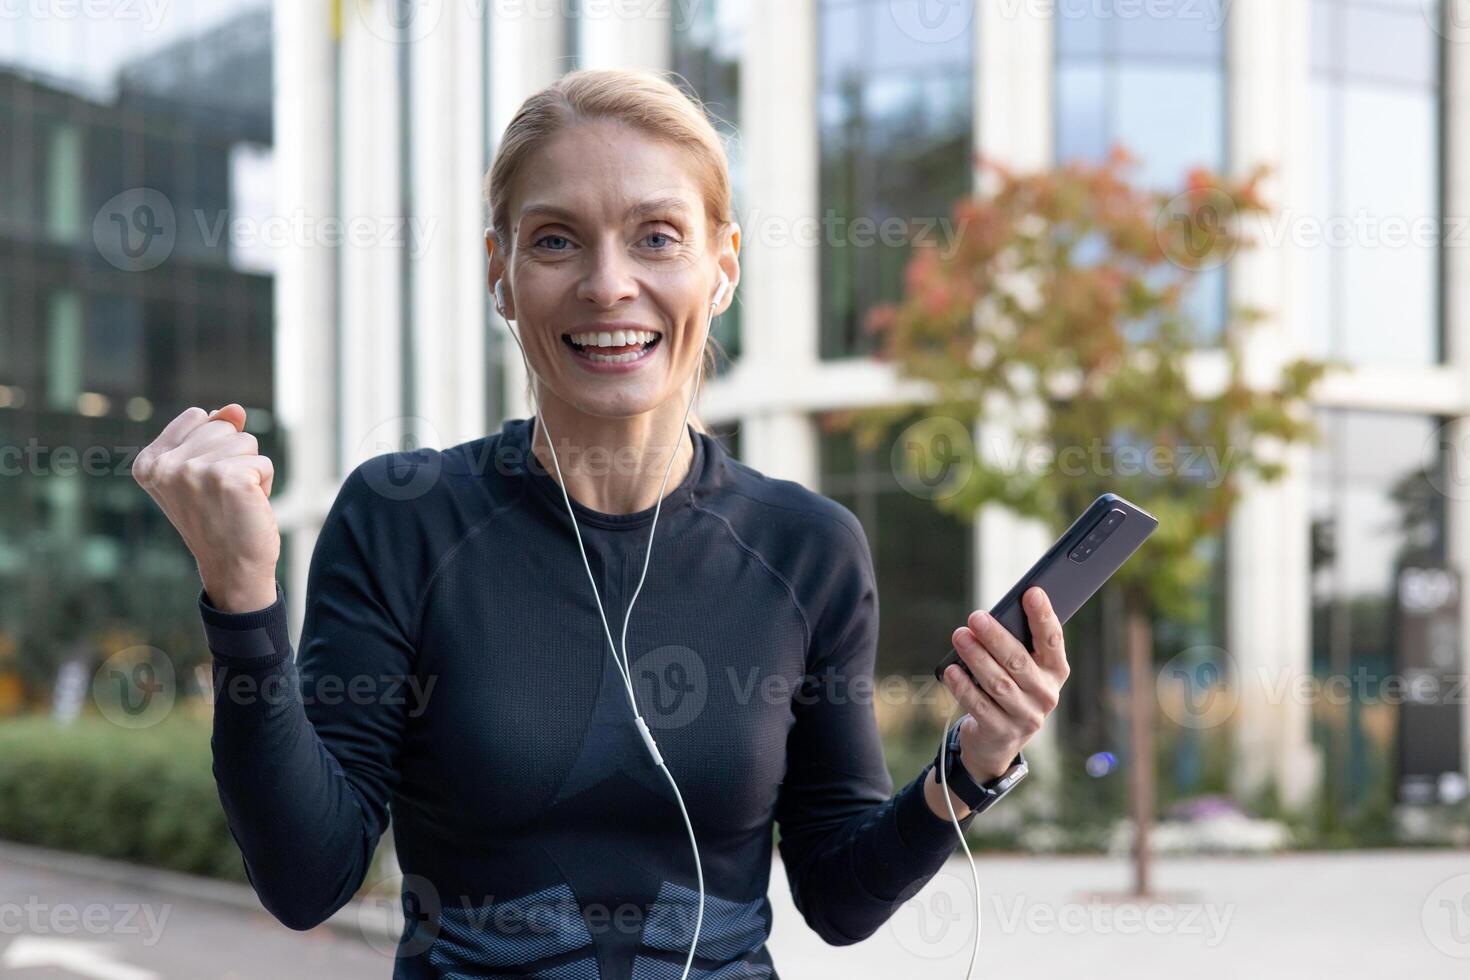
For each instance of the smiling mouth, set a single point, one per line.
(613, 347)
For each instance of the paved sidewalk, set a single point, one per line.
(1309, 916)
(1338, 915)
(58, 925)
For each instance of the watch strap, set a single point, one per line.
(977, 796)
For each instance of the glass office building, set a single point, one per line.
(841, 114)
(130, 157)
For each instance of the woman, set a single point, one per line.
(457, 665)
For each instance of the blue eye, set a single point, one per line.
(548, 237)
(660, 234)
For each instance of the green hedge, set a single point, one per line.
(144, 795)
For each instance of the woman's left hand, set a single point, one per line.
(1016, 689)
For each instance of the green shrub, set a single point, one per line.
(144, 795)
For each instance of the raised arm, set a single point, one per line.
(305, 748)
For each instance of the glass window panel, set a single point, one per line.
(923, 571)
(706, 48)
(1081, 124)
(1323, 29)
(842, 41)
(1079, 31)
(1205, 304)
(214, 357)
(1323, 311)
(918, 178)
(895, 143)
(64, 350)
(64, 182)
(1377, 154)
(7, 335)
(1389, 307)
(1394, 45)
(1192, 31)
(107, 173)
(895, 45)
(11, 186)
(837, 112)
(1172, 119)
(113, 356)
(165, 354)
(922, 556)
(1365, 526)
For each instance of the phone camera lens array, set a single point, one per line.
(1097, 536)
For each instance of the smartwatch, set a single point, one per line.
(979, 797)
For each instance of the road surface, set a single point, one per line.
(1296, 917)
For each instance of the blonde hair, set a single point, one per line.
(641, 99)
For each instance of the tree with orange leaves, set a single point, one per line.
(1062, 313)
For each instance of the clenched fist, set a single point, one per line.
(207, 475)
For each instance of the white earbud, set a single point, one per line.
(720, 293)
(500, 296)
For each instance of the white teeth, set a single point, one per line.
(614, 358)
(615, 338)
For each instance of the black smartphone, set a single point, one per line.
(1087, 554)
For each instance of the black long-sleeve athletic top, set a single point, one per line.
(453, 671)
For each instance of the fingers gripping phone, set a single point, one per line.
(1087, 554)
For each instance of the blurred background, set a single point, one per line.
(281, 205)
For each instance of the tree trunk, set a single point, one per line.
(1141, 682)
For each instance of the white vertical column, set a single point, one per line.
(525, 57)
(372, 204)
(623, 34)
(1014, 111)
(305, 361)
(1013, 125)
(1456, 134)
(1268, 607)
(445, 232)
(1013, 83)
(780, 306)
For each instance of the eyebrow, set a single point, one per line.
(653, 205)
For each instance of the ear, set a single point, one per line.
(729, 263)
(496, 271)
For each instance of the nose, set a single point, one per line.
(609, 278)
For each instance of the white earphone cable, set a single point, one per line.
(949, 805)
(622, 662)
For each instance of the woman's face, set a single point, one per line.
(611, 269)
